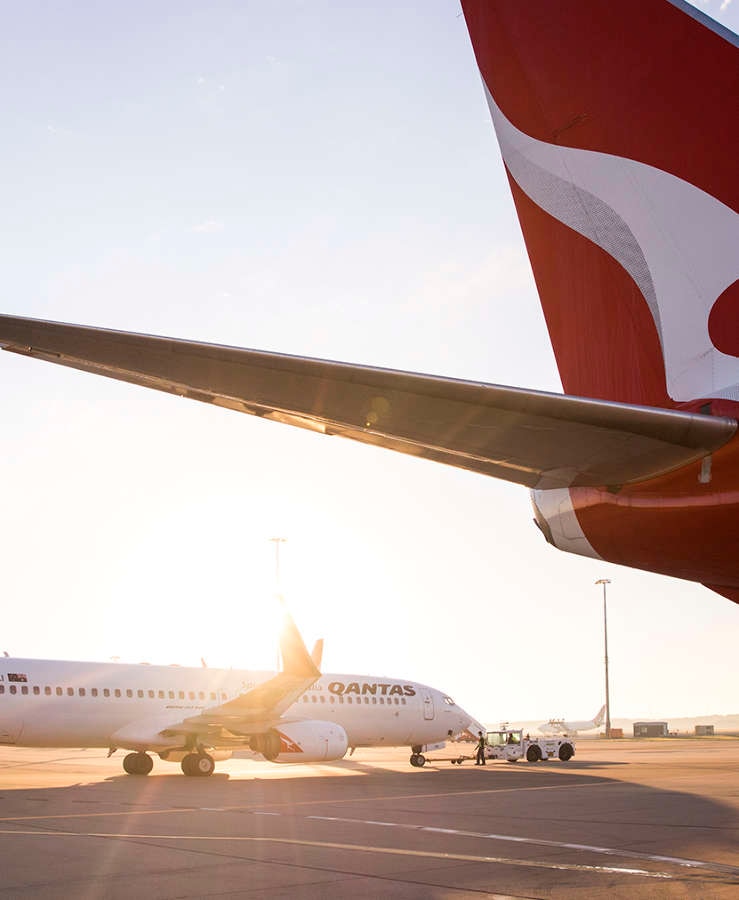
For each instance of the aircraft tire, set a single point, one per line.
(188, 764)
(203, 765)
(414, 759)
(566, 752)
(420, 760)
(137, 763)
(533, 754)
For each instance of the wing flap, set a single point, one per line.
(533, 438)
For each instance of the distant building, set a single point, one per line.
(650, 729)
(704, 730)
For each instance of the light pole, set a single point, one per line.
(278, 585)
(604, 582)
(277, 541)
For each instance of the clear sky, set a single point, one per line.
(321, 179)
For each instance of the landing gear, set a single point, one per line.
(418, 760)
(198, 764)
(138, 763)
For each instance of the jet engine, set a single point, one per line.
(301, 742)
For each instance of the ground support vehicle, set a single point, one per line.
(511, 745)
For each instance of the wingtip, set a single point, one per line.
(296, 660)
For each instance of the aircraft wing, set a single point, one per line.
(256, 710)
(533, 438)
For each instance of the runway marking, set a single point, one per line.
(542, 842)
(687, 863)
(357, 848)
(315, 802)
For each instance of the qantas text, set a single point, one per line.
(384, 689)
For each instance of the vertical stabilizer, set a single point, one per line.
(618, 129)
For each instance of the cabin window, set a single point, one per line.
(224, 695)
(170, 694)
(140, 694)
(191, 695)
(332, 699)
(70, 692)
(36, 689)
(341, 698)
(13, 689)
(129, 692)
(93, 692)
(313, 698)
(201, 695)
(82, 692)
(160, 694)
(47, 690)
(117, 692)
(106, 692)
(151, 694)
(212, 695)
(374, 700)
(305, 698)
(2, 688)
(24, 689)
(323, 699)
(181, 695)
(59, 692)
(350, 700)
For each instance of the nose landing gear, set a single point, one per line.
(137, 763)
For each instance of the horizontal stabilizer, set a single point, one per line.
(533, 438)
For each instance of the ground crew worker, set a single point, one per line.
(480, 758)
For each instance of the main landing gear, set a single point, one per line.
(417, 758)
(195, 764)
(198, 764)
(138, 763)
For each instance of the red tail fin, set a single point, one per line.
(616, 125)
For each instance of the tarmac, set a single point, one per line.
(622, 819)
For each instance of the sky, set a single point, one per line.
(312, 178)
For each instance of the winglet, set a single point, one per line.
(317, 653)
(295, 657)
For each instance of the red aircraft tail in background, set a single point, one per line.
(617, 126)
(619, 137)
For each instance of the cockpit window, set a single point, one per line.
(449, 701)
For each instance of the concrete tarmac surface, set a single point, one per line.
(622, 819)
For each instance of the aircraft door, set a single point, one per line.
(428, 706)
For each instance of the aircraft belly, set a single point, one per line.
(69, 731)
(11, 728)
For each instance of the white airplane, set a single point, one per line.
(196, 716)
(559, 726)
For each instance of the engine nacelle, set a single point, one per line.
(302, 742)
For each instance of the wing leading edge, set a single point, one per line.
(533, 438)
(259, 708)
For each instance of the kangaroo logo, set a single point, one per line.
(682, 250)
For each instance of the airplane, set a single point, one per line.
(559, 726)
(196, 716)
(630, 222)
